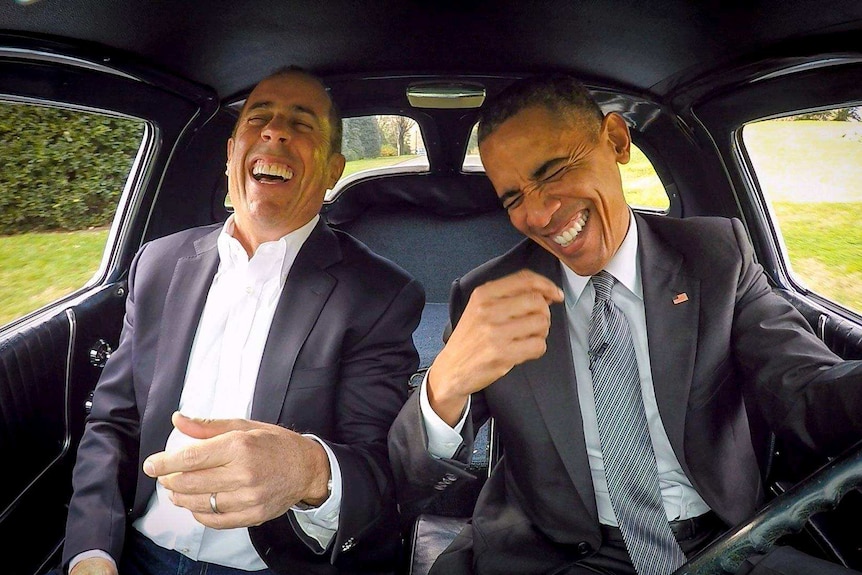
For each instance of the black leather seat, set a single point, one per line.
(431, 535)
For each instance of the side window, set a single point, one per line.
(62, 173)
(642, 187)
(382, 141)
(808, 168)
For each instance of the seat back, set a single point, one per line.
(435, 250)
(435, 227)
(431, 535)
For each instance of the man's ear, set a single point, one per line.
(230, 145)
(618, 133)
(336, 168)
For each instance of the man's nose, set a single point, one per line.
(540, 208)
(276, 129)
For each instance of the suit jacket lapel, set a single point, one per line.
(672, 305)
(305, 292)
(184, 303)
(552, 379)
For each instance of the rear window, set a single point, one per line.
(380, 143)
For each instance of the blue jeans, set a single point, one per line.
(143, 557)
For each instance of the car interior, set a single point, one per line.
(687, 77)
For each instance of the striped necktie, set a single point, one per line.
(630, 465)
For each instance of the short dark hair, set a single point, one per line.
(334, 112)
(559, 93)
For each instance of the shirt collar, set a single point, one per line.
(281, 252)
(625, 266)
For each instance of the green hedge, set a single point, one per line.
(62, 169)
(361, 138)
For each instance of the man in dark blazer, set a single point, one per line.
(288, 376)
(714, 341)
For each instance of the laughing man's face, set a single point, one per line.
(559, 180)
(280, 162)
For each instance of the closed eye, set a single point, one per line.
(556, 175)
(513, 202)
(511, 199)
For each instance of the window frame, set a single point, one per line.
(774, 88)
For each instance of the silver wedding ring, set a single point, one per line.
(213, 504)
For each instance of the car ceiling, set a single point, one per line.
(639, 47)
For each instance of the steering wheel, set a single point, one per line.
(787, 513)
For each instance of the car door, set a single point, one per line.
(85, 133)
(790, 136)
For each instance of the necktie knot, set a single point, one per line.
(603, 283)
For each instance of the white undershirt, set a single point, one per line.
(681, 501)
(219, 383)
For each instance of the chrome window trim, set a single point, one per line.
(52, 58)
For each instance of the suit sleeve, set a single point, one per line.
(373, 389)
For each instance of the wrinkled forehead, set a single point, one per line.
(532, 144)
(539, 129)
(556, 120)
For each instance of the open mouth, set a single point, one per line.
(566, 237)
(271, 172)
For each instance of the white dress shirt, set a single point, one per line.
(681, 500)
(219, 384)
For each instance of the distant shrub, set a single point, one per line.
(351, 154)
(62, 169)
(388, 151)
(361, 138)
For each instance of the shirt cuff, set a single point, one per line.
(89, 554)
(443, 441)
(320, 523)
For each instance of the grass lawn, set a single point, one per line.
(824, 242)
(368, 163)
(811, 172)
(642, 186)
(807, 160)
(37, 268)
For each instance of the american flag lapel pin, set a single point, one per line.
(680, 298)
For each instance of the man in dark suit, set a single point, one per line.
(706, 332)
(240, 426)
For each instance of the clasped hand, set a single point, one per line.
(257, 470)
